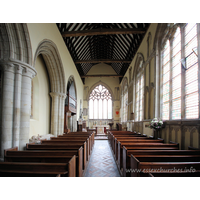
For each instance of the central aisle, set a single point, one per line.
(102, 163)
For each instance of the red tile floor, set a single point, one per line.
(101, 162)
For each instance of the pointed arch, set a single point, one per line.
(103, 84)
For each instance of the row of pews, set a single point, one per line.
(137, 155)
(64, 156)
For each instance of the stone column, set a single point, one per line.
(27, 76)
(63, 97)
(17, 106)
(54, 113)
(7, 107)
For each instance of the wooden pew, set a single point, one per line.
(34, 146)
(69, 143)
(88, 140)
(127, 154)
(81, 134)
(127, 141)
(13, 155)
(112, 137)
(23, 169)
(138, 167)
(143, 146)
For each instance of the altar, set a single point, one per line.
(100, 128)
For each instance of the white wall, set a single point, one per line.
(40, 121)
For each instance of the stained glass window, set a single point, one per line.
(100, 103)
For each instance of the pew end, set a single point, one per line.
(134, 166)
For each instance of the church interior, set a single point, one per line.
(99, 99)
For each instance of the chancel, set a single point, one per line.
(74, 96)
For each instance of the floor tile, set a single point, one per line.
(102, 163)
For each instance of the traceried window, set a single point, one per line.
(100, 103)
(180, 75)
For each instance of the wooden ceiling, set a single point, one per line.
(112, 43)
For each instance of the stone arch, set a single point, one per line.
(105, 85)
(140, 58)
(70, 122)
(72, 79)
(124, 85)
(51, 56)
(15, 43)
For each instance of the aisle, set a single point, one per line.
(102, 163)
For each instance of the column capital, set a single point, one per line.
(57, 94)
(7, 67)
(11, 64)
(28, 72)
(18, 69)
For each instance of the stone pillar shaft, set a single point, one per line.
(54, 114)
(17, 106)
(62, 113)
(7, 108)
(25, 108)
(57, 113)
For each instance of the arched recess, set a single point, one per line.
(55, 69)
(70, 105)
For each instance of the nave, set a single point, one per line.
(102, 163)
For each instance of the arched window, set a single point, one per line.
(124, 103)
(179, 80)
(139, 93)
(100, 103)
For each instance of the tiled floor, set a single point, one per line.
(102, 163)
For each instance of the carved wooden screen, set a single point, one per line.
(100, 103)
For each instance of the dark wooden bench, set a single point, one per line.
(127, 141)
(88, 140)
(127, 154)
(143, 146)
(81, 134)
(69, 143)
(23, 169)
(34, 146)
(138, 167)
(13, 155)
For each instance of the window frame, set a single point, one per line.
(109, 97)
(183, 72)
